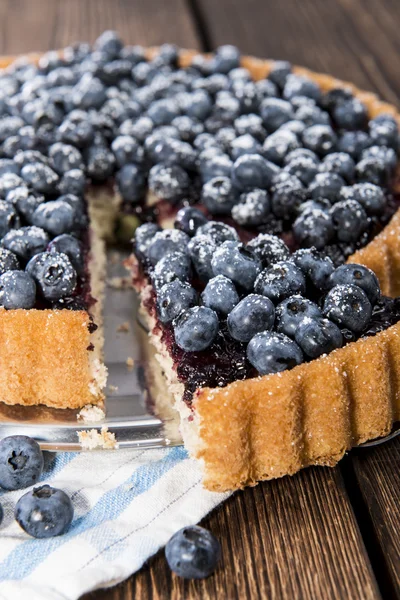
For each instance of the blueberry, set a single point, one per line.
(163, 111)
(303, 167)
(279, 281)
(321, 139)
(326, 185)
(41, 177)
(313, 227)
(140, 129)
(188, 219)
(384, 133)
(252, 209)
(226, 58)
(44, 512)
(89, 92)
(9, 182)
(8, 166)
(226, 108)
(26, 241)
(72, 247)
(354, 142)
(301, 153)
(372, 170)
(144, 234)
(205, 140)
(224, 137)
(201, 249)
(335, 97)
(198, 105)
(220, 295)
(350, 114)
(134, 54)
(349, 219)
(126, 150)
(297, 127)
(188, 127)
(279, 72)
(252, 315)
(357, 275)
(8, 261)
(17, 290)
(220, 165)
(168, 182)
(370, 196)
(317, 336)
(100, 163)
(237, 263)
(21, 462)
(218, 232)
(269, 249)
(109, 43)
(252, 170)
(278, 145)
(275, 112)
(173, 298)
(196, 328)
(8, 218)
(192, 552)
(73, 181)
(348, 306)
(315, 265)
(164, 242)
(53, 273)
(10, 126)
(219, 196)
(297, 85)
(339, 163)
(309, 114)
(55, 217)
(383, 153)
(271, 352)
(251, 124)
(76, 130)
(292, 311)
(131, 183)
(26, 157)
(175, 265)
(65, 157)
(244, 144)
(287, 197)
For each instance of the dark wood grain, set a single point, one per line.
(290, 538)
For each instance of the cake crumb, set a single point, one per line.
(119, 283)
(93, 439)
(123, 328)
(130, 363)
(113, 388)
(91, 414)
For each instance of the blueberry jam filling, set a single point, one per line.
(226, 311)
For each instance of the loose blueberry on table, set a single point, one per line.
(193, 552)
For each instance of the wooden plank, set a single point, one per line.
(289, 538)
(30, 25)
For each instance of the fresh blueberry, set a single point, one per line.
(44, 512)
(219, 196)
(201, 249)
(198, 105)
(292, 311)
(278, 145)
(353, 143)
(252, 315)
(301, 153)
(279, 281)
(188, 127)
(175, 265)
(55, 217)
(26, 241)
(21, 462)
(168, 182)
(188, 219)
(219, 165)
(244, 144)
(65, 157)
(76, 129)
(303, 167)
(205, 140)
(144, 234)
(321, 139)
(317, 336)
(309, 114)
(349, 219)
(126, 150)
(326, 185)
(163, 111)
(196, 328)
(271, 352)
(25, 202)
(218, 232)
(359, 275)
(90, 92)
(109, 43)
(275, 112)
(226, 58)
(251, 124)
(315, 265)
(335, 97)
(382, 153)
(9, 182)
(252, 170)
(100, 163)
(8, 261)
(131, 183)
(287, 196)
(26, 157)
(8, 166)
(9, 218)
(41, 177)
(339, 163)
(73, 181)
(279, 72)
(53, 273)
(297, 127)
(173, 298)
(17, 290)
(384, 133)
(226, 108)
(297, 85)
(314, 226)
(348, 306)
(269, 249)
(370, 196)
(237, 263)
(164, 242)
(350, 114)
(372, 170)
(140, 129)
(220, 295)
(72, 247)
(193, 552)
(252, 209)
(224, 137)
(10, 126)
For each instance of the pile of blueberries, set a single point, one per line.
(284, 308)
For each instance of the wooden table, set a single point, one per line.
(325, 533)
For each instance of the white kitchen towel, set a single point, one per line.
(127, 505)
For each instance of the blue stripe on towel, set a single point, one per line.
(28, 555)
